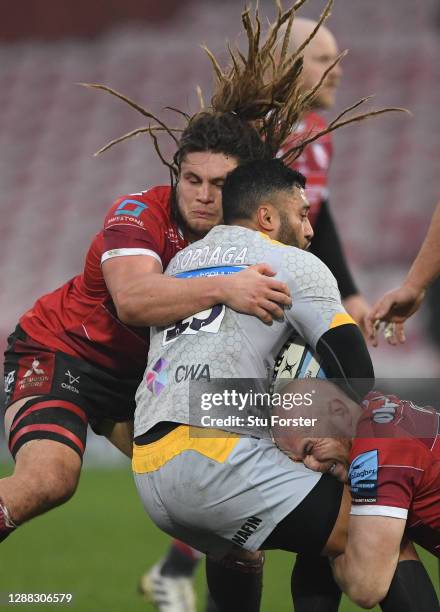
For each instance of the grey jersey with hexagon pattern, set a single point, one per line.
(221, 343)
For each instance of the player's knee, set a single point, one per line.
(368, 597)
(56, 486)
(244, 561)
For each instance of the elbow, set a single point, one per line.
(367, 596)
(125, 310)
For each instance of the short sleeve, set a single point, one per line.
(383, 476)
(136, 225)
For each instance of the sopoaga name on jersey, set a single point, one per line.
(395, 466)
(221, 343)
(79, 318)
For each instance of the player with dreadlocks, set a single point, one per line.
(77, 356)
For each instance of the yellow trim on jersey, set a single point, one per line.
(151, 457)
(277, 242)
(341, 318)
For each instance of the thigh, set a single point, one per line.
(32, 368)
(49, 418)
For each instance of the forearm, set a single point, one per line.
(426, 266)
(160, 300)
(366, 568)
(357, 584)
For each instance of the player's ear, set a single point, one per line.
(267, 217)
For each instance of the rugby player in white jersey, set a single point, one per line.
(231, 496)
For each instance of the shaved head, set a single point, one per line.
(320, 52)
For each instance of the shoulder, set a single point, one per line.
(133, 204)
(308, 267)
(137, 208)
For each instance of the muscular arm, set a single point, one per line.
(366, 568)
(399, 304)
(143, 296)
(426, 266)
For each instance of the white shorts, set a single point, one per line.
(213, 493)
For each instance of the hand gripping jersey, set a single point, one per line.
(314, 161)
(220, 343)
(79, 318)
(395, 466)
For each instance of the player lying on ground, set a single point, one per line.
(230, 496)
(388, 450)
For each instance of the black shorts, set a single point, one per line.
(31, 368)
(308, 527)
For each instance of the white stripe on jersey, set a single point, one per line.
(374, 510)
(123, 252)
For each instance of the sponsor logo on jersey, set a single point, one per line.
(34, 369)
(217, 271)
(363, 476)
(130, 208)
(72, 380)
(196, 371)
(246, 530)
(157, 377)
(35, 377)
(207, 321)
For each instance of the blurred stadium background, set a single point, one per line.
(384, 186)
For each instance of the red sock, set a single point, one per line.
(188, 551)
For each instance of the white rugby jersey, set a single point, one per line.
(220, 343)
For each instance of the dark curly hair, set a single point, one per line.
(222, 133)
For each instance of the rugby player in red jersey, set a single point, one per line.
(77, 356)
(388, 450)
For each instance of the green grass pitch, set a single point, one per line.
(98, 544)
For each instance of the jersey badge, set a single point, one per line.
(363, 475)
(131, 208)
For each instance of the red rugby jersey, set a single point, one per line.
(314, 162)
(395, 466)
(79, 318)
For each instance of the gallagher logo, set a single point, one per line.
(157, 377)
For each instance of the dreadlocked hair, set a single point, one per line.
(257, 100)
